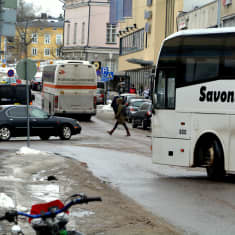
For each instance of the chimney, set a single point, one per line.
(43, 15)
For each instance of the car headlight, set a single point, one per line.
(77, 122)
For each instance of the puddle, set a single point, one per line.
(45, 192)
(81, 213)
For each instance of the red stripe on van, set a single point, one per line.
(69, 86)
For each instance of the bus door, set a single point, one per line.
(165, 106)
(170, 129)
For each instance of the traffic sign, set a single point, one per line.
(104, 71)
(10, 73)
(21, 69)
(110, 75)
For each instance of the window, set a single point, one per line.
(127, 8)
(68, 34)
(228, 70)
(47, 39)
(57, 52)
(37, 113)
(17, 112)
(47, 52)
(166, 89)
(59, 39)
(111, 33)
(75, 33)
(200, 59)
(83, 33)
(34, 38)
(132, 42)
(34, 51)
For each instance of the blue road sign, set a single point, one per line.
(104, 71)
(10, 73)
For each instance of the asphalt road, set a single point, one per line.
(183, 197)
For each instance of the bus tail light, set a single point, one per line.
(56, 102)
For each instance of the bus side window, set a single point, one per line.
(166, 90)
(161, 90)
(171, 93)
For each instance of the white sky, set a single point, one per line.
(51, 7)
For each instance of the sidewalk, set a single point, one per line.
(24, 179)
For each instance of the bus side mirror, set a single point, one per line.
(154, 100)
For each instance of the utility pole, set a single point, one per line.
(1, 23)
(219, 13)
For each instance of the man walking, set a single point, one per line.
(120, 116)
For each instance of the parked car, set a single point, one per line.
(100, 96)
(143, 116)
(13, 123)
(133, 107)
(125, 96)
(36, 82)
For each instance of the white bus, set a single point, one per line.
(69, 88)
(194, 101)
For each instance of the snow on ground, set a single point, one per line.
(25, 150)
(6, 202)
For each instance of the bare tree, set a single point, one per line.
(26, 14)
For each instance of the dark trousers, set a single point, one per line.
(124, 124)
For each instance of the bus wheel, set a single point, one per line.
(5, 133)
(66, 132)
(44, 137)
(214, 154)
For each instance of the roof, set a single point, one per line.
(43, 24)
(189, 32)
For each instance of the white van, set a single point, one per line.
(69, 88)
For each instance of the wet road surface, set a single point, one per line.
(183, 197)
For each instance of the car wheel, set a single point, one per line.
(145, 125)
(5, 133)
(44, 137)
(134, 125)
(66, 132)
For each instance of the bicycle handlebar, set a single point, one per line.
(11, 215)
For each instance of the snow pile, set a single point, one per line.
(26, 150)
(6, 202)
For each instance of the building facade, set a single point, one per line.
(200, 17)
(39, 39)
(228, 13)
(88, 33)
(141, 36)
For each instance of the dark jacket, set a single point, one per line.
(120, 116)
(114, 104)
